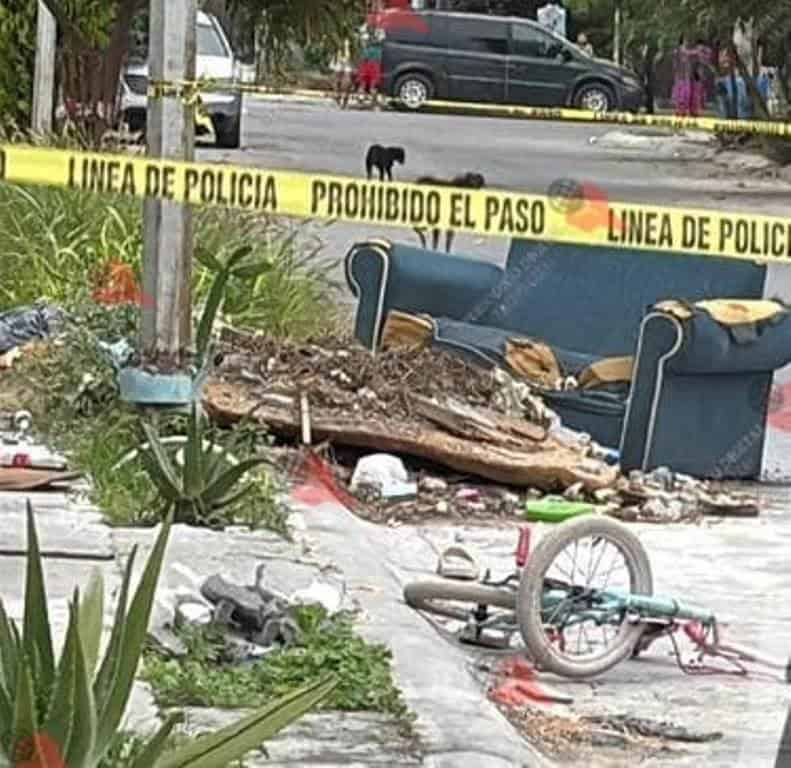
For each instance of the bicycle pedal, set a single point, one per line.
(471, 636)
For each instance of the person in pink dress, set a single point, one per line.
(688, 81)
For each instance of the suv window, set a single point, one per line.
(529, 41)
(476, 35)
(209, 43)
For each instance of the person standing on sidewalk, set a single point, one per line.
(687, 80)
(343, 70)
(369, 73)
(552, 16)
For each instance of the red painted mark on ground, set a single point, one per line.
(315, 483)
(779, 411)
(39, 751)
(518, 685)
(592, 211)
(117, 285)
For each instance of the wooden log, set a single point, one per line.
(466, 421)
(548, 466)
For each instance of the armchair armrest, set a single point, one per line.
(661, 337)
(711, 348)
(386, 276)
(700, 392)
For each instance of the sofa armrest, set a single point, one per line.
(661, 337)
(709, 348)
(700, 393)
(387, 276)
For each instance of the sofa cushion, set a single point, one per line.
(405, 330)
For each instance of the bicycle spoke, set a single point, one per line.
(591, 574)
(596, 567)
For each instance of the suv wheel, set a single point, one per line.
(594, 97)
(414, 90)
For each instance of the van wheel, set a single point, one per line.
(414, 90)
(594, 97)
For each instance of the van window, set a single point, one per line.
(209, 42)
(487, 36)
(529, 41)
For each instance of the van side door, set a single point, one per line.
(476, 58)
(541, 69)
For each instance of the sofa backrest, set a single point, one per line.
(593, 299)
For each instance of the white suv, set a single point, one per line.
(214, 60)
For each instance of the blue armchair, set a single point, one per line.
(589, 305)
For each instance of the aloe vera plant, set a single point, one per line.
(66, 712)
(199, 488)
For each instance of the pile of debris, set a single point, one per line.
(418, 403)
(496, 443)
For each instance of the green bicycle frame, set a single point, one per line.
(609, 604)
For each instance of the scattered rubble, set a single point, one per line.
(666, 497)
(567, 736)
(656, 497)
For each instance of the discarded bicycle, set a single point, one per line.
(571, 625)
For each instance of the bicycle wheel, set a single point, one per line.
(456, 599)
(559, 558)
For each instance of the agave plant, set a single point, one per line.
(66, 713)
(197, 489)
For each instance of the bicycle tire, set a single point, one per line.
(531, 586)
(420, 594)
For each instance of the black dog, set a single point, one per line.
(383, 158)
(467, 180)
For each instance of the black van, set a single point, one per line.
(495, 59)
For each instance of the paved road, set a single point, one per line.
(512, 154)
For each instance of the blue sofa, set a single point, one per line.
(695, 391)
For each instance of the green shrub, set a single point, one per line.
(17, 60)
(328, 644)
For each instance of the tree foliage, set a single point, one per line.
(282, 24)
(17, 58)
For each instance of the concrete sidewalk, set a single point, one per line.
(739, 568)
(456, 725)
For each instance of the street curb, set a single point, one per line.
(464, 717)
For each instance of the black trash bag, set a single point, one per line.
(25, 324)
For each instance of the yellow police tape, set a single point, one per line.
(561, 217)
(189, 89)
(710, 124)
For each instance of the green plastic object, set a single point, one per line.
(556, 509)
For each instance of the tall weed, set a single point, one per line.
(55, 244)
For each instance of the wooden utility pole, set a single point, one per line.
(170, 127)
(44, 77)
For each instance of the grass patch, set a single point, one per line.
(68, 386)
(328, 645)
(55, 244)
